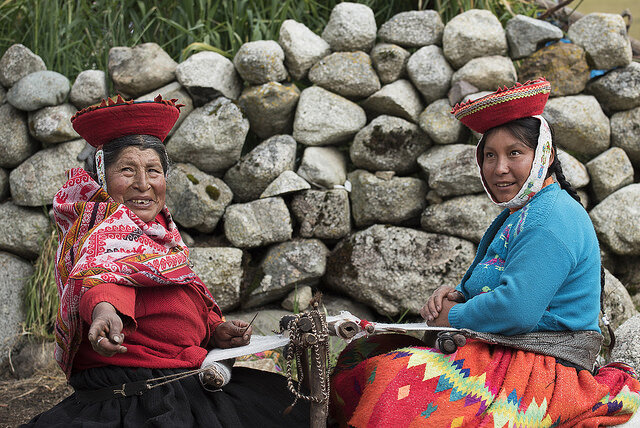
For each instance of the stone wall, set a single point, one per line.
(332, 160)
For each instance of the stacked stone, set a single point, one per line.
(362, 184)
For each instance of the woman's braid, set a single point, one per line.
(556, 167)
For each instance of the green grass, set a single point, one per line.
(76, 35)
(40, 293)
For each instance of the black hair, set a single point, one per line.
(527, 130)
(113, 148)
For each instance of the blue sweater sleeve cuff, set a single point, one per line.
(455, 316)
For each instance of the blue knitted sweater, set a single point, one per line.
(537, 269)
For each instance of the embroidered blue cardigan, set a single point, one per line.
(537, 269)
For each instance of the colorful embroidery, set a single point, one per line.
(478, 385)
(101, 241)
(496, 262)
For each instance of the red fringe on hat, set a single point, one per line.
(504, 105)
(100, 123)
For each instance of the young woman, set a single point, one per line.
(537, 270)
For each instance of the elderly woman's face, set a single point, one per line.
(506, 164)
(136, 179)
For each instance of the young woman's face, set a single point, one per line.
(506, 163)
(136, 179)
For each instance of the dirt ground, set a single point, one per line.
(22, 399)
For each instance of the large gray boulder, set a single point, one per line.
(16, 62)
(257, 223)
(270, 108)
(389, 143)
(211, 137)
(324, 118)
(564, 65)
(574, 171)
(399, 98)
(430, 72)
(4, 184)
(393, 200)
(302, 47)
(389, 61)
(451, 170)
(579, 123)
(323, 167)
(615, 220)
(619, 89)
(413, 29)
(38, 179)
(525, 34)
(609, 172)
(617, 302)
(472, 34)
(349, 74)
(604, 37)
(90, 87)
(53, 124)
(287, 266)
(441, 126)
(23, 230)
(14, 273)
(626, 270)
(39, 89)
(15, 143)
(220, 268)
(393, 269)
(487, 73)
(351, 27)
(173, 90)
(627, 349)
(466, 217)
(323, 214)
(207, 75)
(625, 133)
(196, 200)
(140, 69)
(260, 62)
(258, 168)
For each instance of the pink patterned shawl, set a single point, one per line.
(100, 241)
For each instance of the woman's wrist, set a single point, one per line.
(101, 309)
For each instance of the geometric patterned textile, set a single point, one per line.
(100, 241)
(480, 385)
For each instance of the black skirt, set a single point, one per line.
(253, 398)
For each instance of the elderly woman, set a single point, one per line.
(133, 316)
(534, 285)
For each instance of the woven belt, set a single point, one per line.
(111, 392)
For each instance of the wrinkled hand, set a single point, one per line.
(105, 333)
(231, 334)
(431, 310)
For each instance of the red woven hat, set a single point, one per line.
(111, 119)
(504, 105)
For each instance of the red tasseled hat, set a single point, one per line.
(111, 119)
(504, 105)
